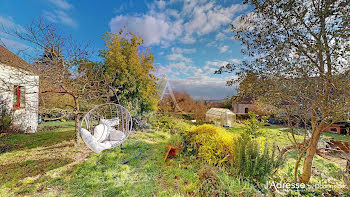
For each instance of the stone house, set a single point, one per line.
(19, 91)
(242, 105)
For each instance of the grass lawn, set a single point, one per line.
(48, 163)
(25, 158)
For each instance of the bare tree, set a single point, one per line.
(64, 68)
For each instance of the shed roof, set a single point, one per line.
(218, 111)
(242, 100)
(10, 59)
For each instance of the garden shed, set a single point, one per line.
(221, 116)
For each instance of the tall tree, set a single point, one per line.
(300, 52)
(129, 68)
(64, 69)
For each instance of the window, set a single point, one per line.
(246, 110)
(18, 97)
(333, 129)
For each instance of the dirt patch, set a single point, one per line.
(49, 128)
(59, 146)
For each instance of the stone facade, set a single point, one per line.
(19, 95)
(241, 108)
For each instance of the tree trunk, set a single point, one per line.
(310, 153)
(77, 120)
(77, 128)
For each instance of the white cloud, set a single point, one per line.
(153, 29)
(182, 50)
(203, 87)
(220, 36)
(193, 72)
(59, 16)
(209, 17)
(60, 13)
(178, 57)
(9, 25)
(7, 28)
(235, 61)
(14, 45)
(211, 66)
(223, 49)
(160, 4)
(162, 24)
(199, 82)
(188, 39)
(178, 69)
(62, 4)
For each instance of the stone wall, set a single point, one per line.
(240, 108)
(26, 116)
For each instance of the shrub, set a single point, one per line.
(237, 186)
(5, 123)
(209, 183)
(253, 126)
(139, 122)
(5, 117)
(250, 161)
(168, 123)
(176, 140)
(212, 144)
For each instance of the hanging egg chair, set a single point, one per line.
(106, 126)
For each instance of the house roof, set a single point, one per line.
(10, 59)
(243, 100)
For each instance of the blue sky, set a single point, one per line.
(189, 38)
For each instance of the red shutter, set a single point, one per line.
(18, 100)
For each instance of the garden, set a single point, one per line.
(266, 114)
(207, 161)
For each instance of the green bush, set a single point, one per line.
(236, 186)
(209, 183)
(212, 144)
(5, 123)
(252, 161)
(176, 140)
(253, 126)
(168, 123)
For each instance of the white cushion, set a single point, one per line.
(111, 122)
(92, 143)
(112, 143)
(101, 132)
(116, 135)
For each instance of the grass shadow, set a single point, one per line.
(13, 172)
(41, 139)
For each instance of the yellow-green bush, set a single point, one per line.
(212, 144)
